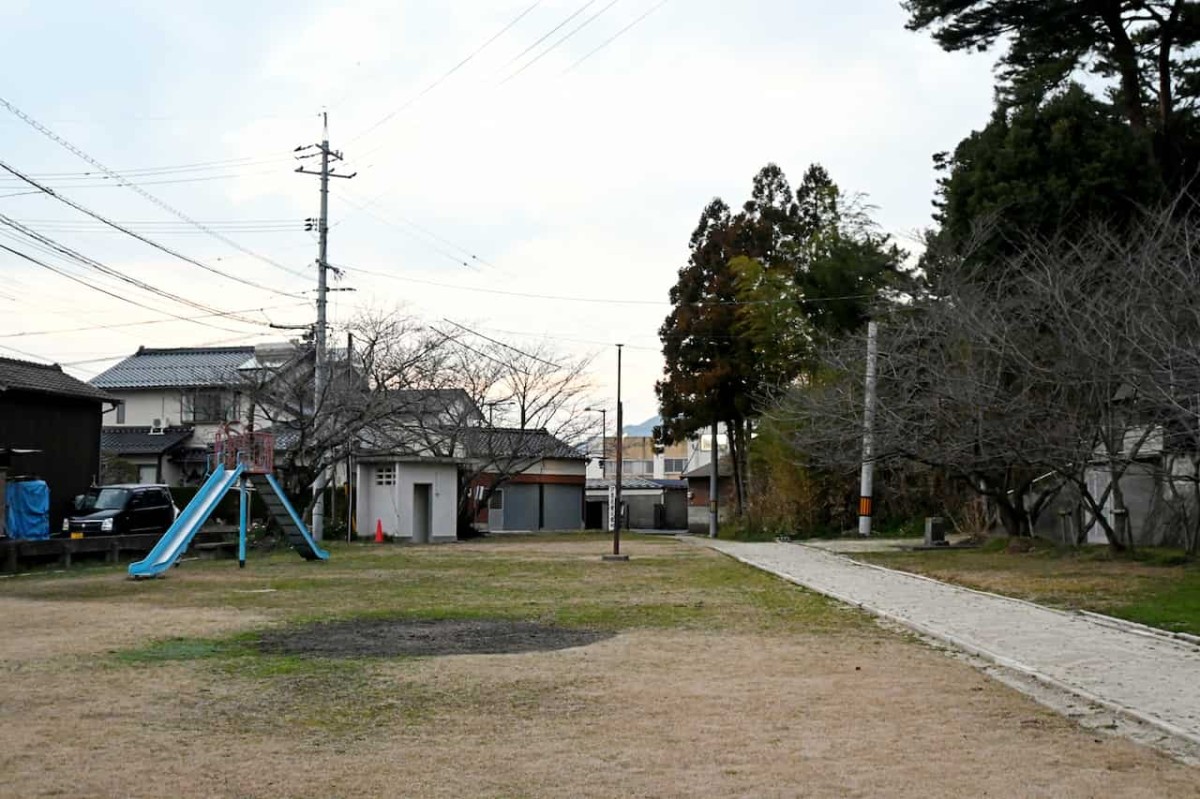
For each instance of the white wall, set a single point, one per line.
(393, 505)
(143, 407)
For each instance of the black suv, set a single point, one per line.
(121, 510)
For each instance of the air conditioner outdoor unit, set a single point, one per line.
(156, 428)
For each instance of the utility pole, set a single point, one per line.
(616, 553)
(714, 483)
(351, 375)
(321, 365)
(866, 485)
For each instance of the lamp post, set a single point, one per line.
(616, 553)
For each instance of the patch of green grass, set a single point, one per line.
(1158, 587)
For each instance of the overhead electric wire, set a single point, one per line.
(391, 115)
(118, 325)
(549, 33)
(566, 36)
(172, 168)
(102, 290)
(457, 259)
(40, 128)
(529, 355)
(129, 232)
(616, 35)
(108, 184)
(598, 300)
(62, 249)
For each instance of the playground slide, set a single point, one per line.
(175, 541)
(286, 517)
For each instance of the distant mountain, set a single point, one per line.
(646, 428)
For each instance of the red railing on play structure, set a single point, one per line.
(255, 450)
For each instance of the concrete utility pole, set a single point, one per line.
(321, 366)
(866, 485)
(616, 553)
(713, 486)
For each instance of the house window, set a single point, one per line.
(674, 465)
(497, 500)
(121, 413)
(208, 406)
(385, 475)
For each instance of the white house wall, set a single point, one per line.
(393, 504)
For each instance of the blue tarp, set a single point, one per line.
(28, 512)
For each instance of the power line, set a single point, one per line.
(118, 325)
(62, 249)
(129, 232)
(40, 128)
(108, 184)
(173, 168)
(389, 116)
(616, 35)
(531, 356)
(94, 287)
(549, 33)
(457, 259)
(598, 300)
(568, 35)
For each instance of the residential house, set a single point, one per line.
(58, 417)
(171, 404)
(525, 480)
(648, 504)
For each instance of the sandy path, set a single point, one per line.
(1153, 678)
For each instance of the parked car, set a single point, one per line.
(123, 509)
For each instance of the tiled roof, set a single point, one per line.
(189, 367)
(510, 442)
(636, 483)
(140, 441)
(45, 379)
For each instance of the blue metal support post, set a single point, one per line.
(243, 516)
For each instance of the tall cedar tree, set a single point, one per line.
(1146, 47)
(760, 288)
(1043, 169)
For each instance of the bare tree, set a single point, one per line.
(1065, 366)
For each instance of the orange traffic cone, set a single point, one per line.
(379, 531)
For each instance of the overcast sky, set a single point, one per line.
(568, 179)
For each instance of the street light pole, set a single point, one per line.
(616, 553)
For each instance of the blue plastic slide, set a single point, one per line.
(175, 541)
(286, 517)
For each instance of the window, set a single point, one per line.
(497, 500)
(208, 406)
(385, 475)
(674, 465)
(121, 413)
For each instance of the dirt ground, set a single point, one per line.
(376, 638)
(641, 713)
(709, 680)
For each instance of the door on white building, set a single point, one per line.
(422, 512)
(147, 473)
(496, 510)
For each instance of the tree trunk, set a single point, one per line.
(1125, 55)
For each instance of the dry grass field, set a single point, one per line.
(684, 674)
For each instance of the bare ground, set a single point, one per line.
(642, 714)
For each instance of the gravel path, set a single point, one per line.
(1150, 677)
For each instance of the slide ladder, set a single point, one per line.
(175, 541)
(286, 517)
